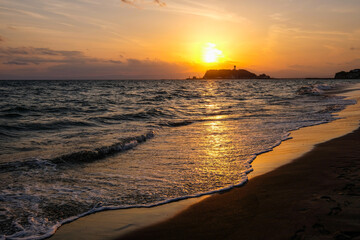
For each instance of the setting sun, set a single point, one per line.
(211, 54)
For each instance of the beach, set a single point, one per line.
(292, 202)
(308, 187)
(116, 170)
(142, 147)
(173, 119)
(316, 196)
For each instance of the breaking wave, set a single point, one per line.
(103, 152)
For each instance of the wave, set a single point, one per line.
(6, 134)
(53, 125)
(32, 163)
(8, 109)
(17, 109)
(141, 115)
(314, 90)
(10, 115)
(103, 152)
(76, 157)
(319, 89)
(209, 118)
(332, 109)
(176, 123)
(49, 231)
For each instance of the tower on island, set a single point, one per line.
(234, 67)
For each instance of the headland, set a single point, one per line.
(233, 74)
(353, 74)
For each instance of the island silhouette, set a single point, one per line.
(353, 74)
(233, 74)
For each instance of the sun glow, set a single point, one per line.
(211, 54)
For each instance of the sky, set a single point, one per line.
(175, 39)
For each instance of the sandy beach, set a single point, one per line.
(306, 188)
(179, 119)
(316, 196)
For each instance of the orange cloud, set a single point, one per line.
(161, 4)
(133, 2)
(46, 63)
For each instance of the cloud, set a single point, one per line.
(134, 2)
(38, 51)
(15, 63)
(128, 2)
(36, 56)
(129, 69)
(205, 9)
(115, 61)
(161, 4)
(16, 12)
(47, 51)
(38, 61)
(46, 63)
(14, 51)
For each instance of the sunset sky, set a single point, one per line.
(146, 39)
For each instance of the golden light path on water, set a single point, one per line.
(188, 159)
(218, 149)
(217, 141)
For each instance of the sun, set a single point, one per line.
(211, 54)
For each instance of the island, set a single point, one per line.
(233, 74)
(353, 74)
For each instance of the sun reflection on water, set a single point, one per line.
(216, 150)
(207, 154)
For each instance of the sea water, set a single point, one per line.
(70, 148)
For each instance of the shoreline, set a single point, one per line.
(316, 196)
(305, 139)
(115, 223)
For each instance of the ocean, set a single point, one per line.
(71, 148)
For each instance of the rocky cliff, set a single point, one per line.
(353, 74)
(232, 74)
